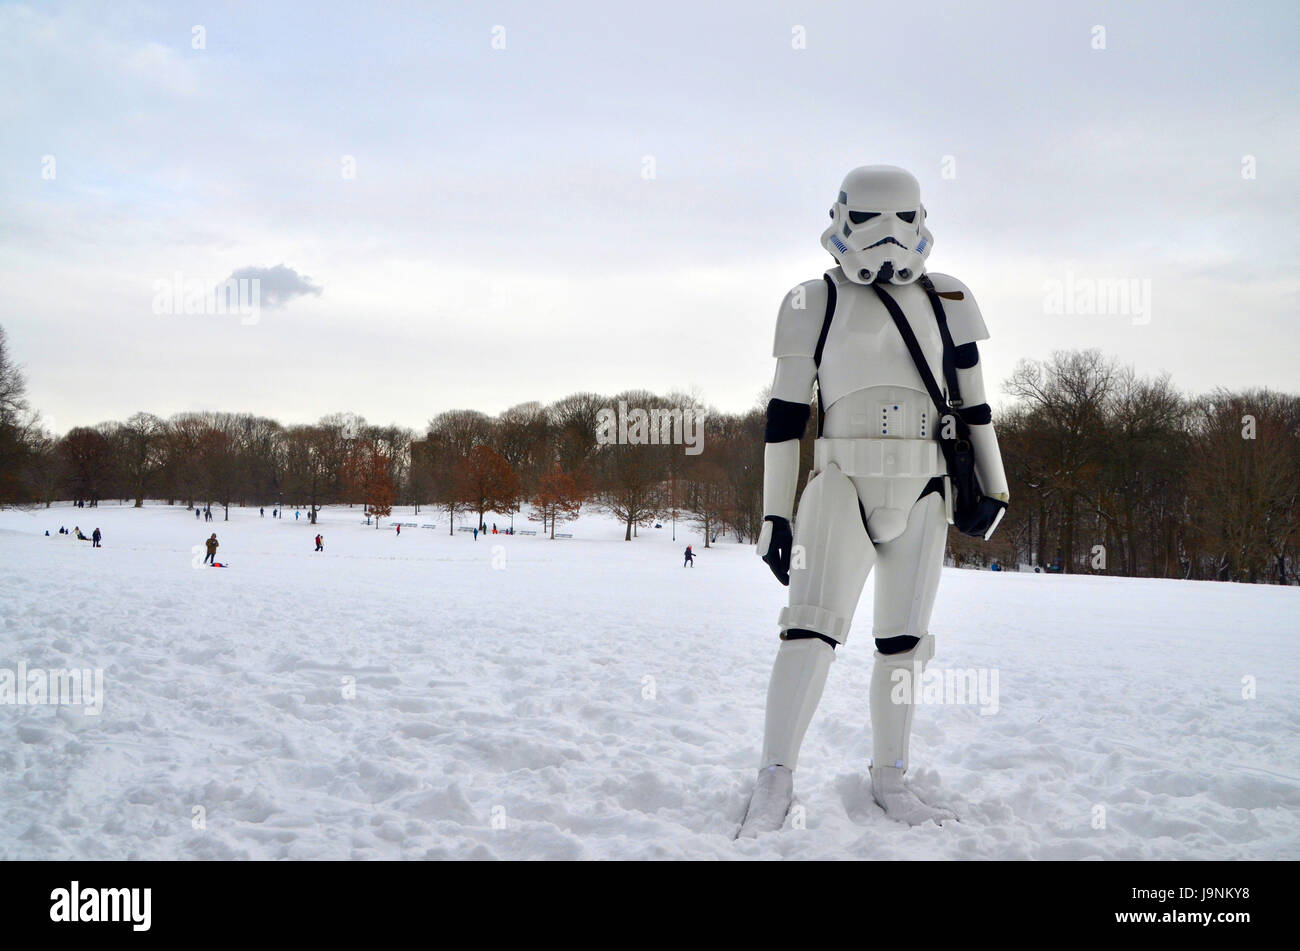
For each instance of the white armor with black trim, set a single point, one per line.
(872, 393)
(869, 503)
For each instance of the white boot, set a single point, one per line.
(893, 702)
(899, 801)
(798, 678)
(773, 793)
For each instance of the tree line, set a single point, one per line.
(1113, 472)
(1110, 472)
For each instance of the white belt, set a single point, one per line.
(880, 457)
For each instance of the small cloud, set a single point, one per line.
(279, 284)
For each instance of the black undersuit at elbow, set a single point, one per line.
(976, 415)
(966, 356)
(786, 420)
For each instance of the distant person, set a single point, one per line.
(196, 513)
(399, 528)
(476, 534)
(261, 512)
(320, 542)
(80, 537)
(295, 515)
(690, 557)
(94, 538)
(494, 528)
(211, 544)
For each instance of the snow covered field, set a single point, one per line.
(590, 698)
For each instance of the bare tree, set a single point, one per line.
(14, 442)
(1066, 398)
(1245, 483)
(138, 449)
(88, 457)
(450, 438)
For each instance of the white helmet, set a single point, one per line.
(878, 227)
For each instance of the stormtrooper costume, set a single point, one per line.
(876, 498)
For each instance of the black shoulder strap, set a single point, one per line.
(949, 349)
(831, 293)
(826, 319)
(914, 348)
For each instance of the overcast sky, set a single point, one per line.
(621, 195)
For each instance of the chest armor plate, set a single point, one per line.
(864, 349)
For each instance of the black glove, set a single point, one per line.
(777, 555)
(987, 514)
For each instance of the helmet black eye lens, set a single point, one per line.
(908, 216)
(857, 217)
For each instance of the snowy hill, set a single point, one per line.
(518, 697)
